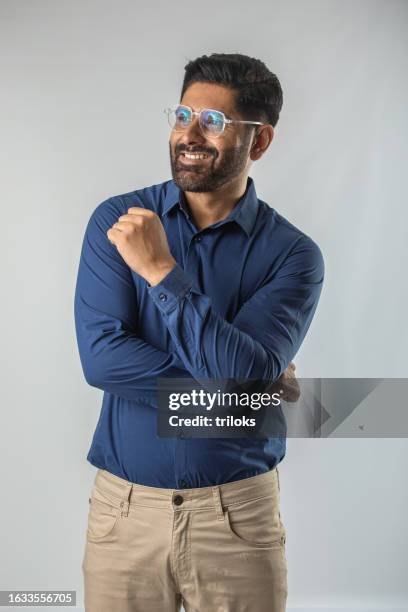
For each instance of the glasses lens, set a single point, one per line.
(180, 117)
(212, 122)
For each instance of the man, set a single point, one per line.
(196, 277)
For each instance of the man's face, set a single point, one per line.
(228, 153)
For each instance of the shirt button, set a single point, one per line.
(183, 484)
(178, 500)
(163, 297)
(198, 238)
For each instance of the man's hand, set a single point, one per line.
(140, 238)
(288, 383)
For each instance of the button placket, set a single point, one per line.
(192, 259)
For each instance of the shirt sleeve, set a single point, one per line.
(265, 334)
(113, 357)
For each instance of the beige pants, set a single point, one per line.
(212, 549)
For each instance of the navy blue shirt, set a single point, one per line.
(237, 305)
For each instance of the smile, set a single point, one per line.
(194, 156)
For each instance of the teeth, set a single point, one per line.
(195, 155)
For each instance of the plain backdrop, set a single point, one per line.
(83, 87)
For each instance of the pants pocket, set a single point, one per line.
(103, 515)
(256, 522)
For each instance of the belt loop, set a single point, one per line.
(124, 504)
(277, 476)
(217, 503)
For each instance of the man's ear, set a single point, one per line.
(258, 148)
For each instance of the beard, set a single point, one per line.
(210, 175)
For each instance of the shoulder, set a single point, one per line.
(150, 197)
(292, 243)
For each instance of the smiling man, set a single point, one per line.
(193, 277)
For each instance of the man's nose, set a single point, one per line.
(193, 131)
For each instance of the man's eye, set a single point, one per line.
(182, 116)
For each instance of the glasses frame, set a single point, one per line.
(168, 110)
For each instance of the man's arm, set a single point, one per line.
(267, 331)
(113, 357)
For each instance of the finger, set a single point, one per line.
(115, 227)
(138, 210)
(113, 234)
(131, 217)
(132, 221)
(122, 226)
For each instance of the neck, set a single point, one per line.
(208, 207)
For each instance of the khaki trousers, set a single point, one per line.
(212, 549)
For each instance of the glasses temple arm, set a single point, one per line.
(239, 121)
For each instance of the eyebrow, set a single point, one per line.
(228, 116)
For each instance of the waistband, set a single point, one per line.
(123, 493)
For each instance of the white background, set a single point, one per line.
(83, 88)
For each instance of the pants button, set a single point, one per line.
(178, 500)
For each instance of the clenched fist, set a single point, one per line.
(288, 382)
(140, 238)
(287, 385)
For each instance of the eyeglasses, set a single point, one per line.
(212, 122)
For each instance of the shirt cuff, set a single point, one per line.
(171, 290)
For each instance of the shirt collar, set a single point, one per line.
(244, 213)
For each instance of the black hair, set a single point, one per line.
(258, 91)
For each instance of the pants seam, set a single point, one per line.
(172, 558)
